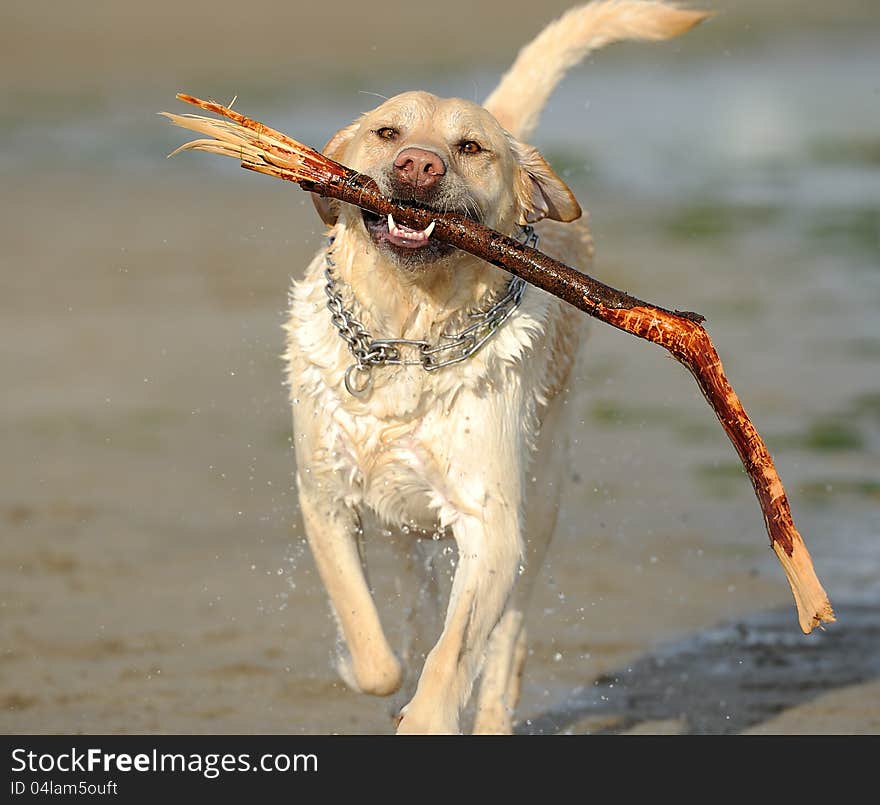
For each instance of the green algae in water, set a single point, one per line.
(830, 435)
(723, 479)
(823, 492)
(848, 229)
(710, 220)
(610, 413)
(845, 151)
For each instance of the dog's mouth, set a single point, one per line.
(411, 245)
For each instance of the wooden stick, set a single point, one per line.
(262, 149)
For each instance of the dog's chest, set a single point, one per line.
(393, 467)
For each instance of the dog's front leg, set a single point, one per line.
(331, 529)
(502, 672)
(488, 557)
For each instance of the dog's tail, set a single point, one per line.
(520, 96)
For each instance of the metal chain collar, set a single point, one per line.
(453, 348)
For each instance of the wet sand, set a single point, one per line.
(153, 574)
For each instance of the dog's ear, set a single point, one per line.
(540, 192)
(328, 208)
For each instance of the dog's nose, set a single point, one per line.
(419, 167)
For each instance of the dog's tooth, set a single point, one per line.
(428, 229)
(391, 225)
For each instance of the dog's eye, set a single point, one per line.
(386, 133)
(469, 147)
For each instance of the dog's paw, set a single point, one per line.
(379, 676)
(376, 676)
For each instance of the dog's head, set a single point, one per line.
(448, 155)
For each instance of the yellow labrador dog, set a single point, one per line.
(427, 386)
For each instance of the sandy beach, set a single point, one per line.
(154, 576)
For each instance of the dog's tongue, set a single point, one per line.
(401, 235)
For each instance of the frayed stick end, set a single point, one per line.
(812, 602)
